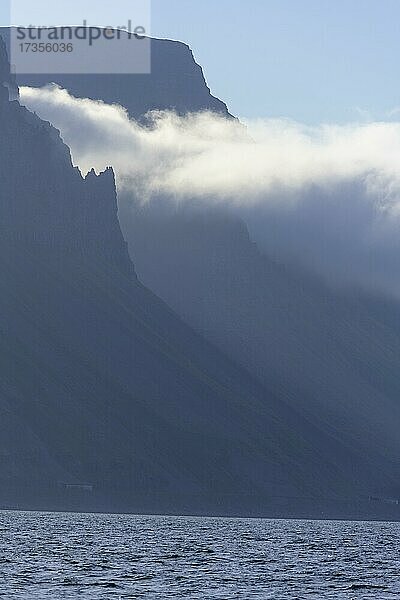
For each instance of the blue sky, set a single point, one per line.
(310, 60)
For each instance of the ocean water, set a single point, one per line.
(46, 555)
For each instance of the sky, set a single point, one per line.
(309, 60)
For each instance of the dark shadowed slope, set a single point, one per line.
(334, 356)
(176, 82)
(108, 400)
(333, 359)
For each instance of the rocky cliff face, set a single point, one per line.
(8, 86)
(43, 198)
(333, 356)
(107, 399)
(176, 83)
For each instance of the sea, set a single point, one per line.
(101, 557)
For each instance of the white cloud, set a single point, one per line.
(310, 192)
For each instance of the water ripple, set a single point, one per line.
(119, 557)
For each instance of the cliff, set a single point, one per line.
(8, 86)
(176, 82)
(332, 355)
(108, 400)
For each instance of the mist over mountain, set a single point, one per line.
(177, 81)
(109, 401)
(103, 387)
(325, 197)
(112, 402)
(335, 353)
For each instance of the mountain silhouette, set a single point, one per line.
(110, 401)
(176, 82)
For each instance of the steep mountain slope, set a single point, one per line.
(108, 400)
(332, 358)
(335, 356)
(176, 82)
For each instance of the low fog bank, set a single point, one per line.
(326, 196)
